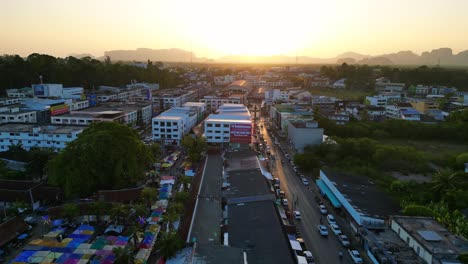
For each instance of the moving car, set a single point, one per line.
(331, 219)
(305, 181)
(344, 240)
(335, 229)
(323, 209)
(297, 215)
(355, 256)
(322, 230)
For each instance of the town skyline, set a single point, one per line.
(214, 30)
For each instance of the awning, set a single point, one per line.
(324, 188)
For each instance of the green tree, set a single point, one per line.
(181, 197)
(106, 155)
(169, 244)
(124, 255)
(195, 147)
(70, 211)
(119, 212)
(443, 180)
(99, 208)
(39, 158)
(149, 195)
(418, 210)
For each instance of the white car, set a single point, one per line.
(322, 230)
(355, 256)
(285, 202)
(323, 209)
(335, 229)
(309, 257)
(297, 215)
(331, 219)
(305, 181)
(344, 240)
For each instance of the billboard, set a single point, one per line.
(92, 99)
(58, 109)
(241, 133)
(39, 89)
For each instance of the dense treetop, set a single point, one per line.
(106, 155)
(16, 72)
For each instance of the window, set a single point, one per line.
(168, 123)
(209, 131)
(156, 135)
(163, 124)
(156, 129)
(169, 130)
(226, 132)
(156, 123)
(225, 125)
(209, 125)
(163, 130)
(217, 137)
(174, 123)
(217, 132)
(217, 125)
(169, 136)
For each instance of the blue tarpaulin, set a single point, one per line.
(324, 188)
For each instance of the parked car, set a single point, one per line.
(331, 219)
(322, 230)
(355, 256)
(286, 155)
(305, 181)
(285, 202)
(282, 194)
(297, 215)
(344, 240)
(323, 209)
(309, 257)
(301, 242)
(335, 229)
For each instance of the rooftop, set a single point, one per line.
(243, 83)
(431, 235)
(357, 189)
(245, 183)
(28, 128)
(256, 228)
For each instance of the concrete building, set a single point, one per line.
(387, 86)
(129, 113)
(422, 105)
(170, 126)
(224, 80)
(402, 111)
(28, 135)
(199, 107)
(214, 102)
(433, 243)
(167, 99)
(303, 132)
(375, 112)
(241, 86)
(382, 99)
(20, 93)
(231, 124)
(57, 91)
(340, 84)
(9, 101)
(14, 114)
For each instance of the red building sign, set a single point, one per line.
(241, 133)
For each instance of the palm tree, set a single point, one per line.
(118, 212)
(169, 217)
(124, 255)
(443, 180)
(169, 244)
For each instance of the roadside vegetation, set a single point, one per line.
(412, 162)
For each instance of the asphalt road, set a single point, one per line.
(325, 249)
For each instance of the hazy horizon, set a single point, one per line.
(212, 29)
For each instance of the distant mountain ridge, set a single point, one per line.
(442, 56)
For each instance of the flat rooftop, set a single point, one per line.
(255, 227)
(247, 183)
(357, 189)
(28, 128)
(163, 117)
(433, 236)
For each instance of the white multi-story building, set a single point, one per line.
(224, 80)
(175, 98)
(231, 124)
(28, 135)
(170, 126)
(9, 101)
(340, 84)
(382, 99)
(403, 111)
(214, 102)
(77, 105)
(16, 115)
(20, 93)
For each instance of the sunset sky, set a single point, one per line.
(215, 28)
